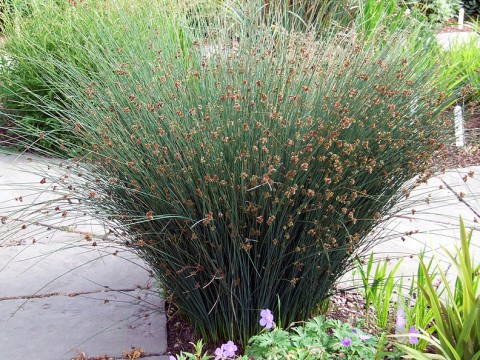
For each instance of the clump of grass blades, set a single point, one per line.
(289, 14)
(455, 309)
(465, 59)
(246, 170)
(60, 28)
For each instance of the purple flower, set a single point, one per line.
(229, 349)
(219, 353)
(267, 319)
(172, 358)
(346, 342)
(401, 318)
(401, 321)
(413, 339)
(226, 351)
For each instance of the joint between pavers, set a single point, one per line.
(125, 355)
(42, 296)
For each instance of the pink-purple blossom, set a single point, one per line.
(266, 319)
(401, 321)
(413, 339)
(346, 342)
(219, 353)
(226, 351)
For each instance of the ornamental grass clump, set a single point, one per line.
(62, 29)
(247, 168)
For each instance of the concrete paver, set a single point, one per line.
(77, 267)
(20, 186)
(429, 220)
(61, 327)
(60, 296)
(449, 40)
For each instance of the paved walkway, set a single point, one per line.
(449, 40)
(60, 297)
(429, 221)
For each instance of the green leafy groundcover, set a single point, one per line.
(316, 339)
(312, 341)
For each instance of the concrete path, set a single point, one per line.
(428, 221)
(62, 298)
(449, 40)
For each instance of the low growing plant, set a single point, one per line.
(380, 289)
(316, 339)
(414, 305)
(199, 353)
(464, 59)
(396, 307)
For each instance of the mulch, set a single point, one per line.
(180, 332)
(452, 26)
(469, 155)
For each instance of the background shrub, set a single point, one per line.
(62, 29)
(464, 58)
(246, 170)
(8, 9)
(436, 11)
(472, 7)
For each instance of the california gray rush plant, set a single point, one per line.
(247, 170)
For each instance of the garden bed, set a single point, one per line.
(343, 306)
